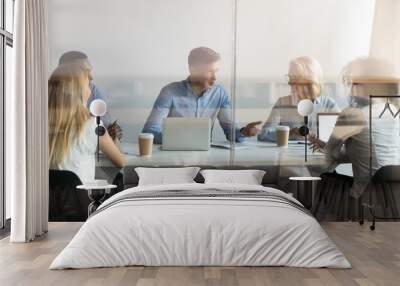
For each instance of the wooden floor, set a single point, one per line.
(375, 257)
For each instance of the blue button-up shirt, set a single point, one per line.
(178, 99)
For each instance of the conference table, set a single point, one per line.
(247, 155)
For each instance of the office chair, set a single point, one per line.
(382, 198)
(65, 202)
(332, 199)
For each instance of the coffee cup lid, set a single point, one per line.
(146, 135)
(283, 128)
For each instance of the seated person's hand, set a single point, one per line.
(250, 129)
(315, 143)
(294, 133)
(115, 132)
(117, 143)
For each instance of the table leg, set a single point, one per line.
(96, 197)
(308, 194)
(305, 193)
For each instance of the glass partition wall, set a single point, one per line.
(257, 60)
(280, 45)
(152, 60)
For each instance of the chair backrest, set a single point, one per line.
(65, 202)
(389, 174)
(63, 178)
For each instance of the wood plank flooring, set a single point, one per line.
(375, 257)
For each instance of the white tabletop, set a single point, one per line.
(305, 178)
(94, 187)
(257, 153)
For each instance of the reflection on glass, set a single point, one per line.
(9, 11)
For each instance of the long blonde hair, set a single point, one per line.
(67, 112)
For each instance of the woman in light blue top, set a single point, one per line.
(305, 81)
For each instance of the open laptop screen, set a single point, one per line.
(184, 133)
(325, 124)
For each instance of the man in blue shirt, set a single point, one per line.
(197, 96)
(81, 59)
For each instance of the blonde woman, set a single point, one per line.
(305, 80)
(72, 138)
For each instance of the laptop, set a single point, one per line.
(186, 134)
(325, 124)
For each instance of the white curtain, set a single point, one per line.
(26, 117)
(385, 41)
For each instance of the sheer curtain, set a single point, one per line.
(385, 41)
(27, 130)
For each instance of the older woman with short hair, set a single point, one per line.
(305, 79)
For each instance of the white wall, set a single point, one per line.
(385, 40)
(273, 32)
(137, 46)
(140, 38)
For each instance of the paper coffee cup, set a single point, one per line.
(282, 136)
(146, 144)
